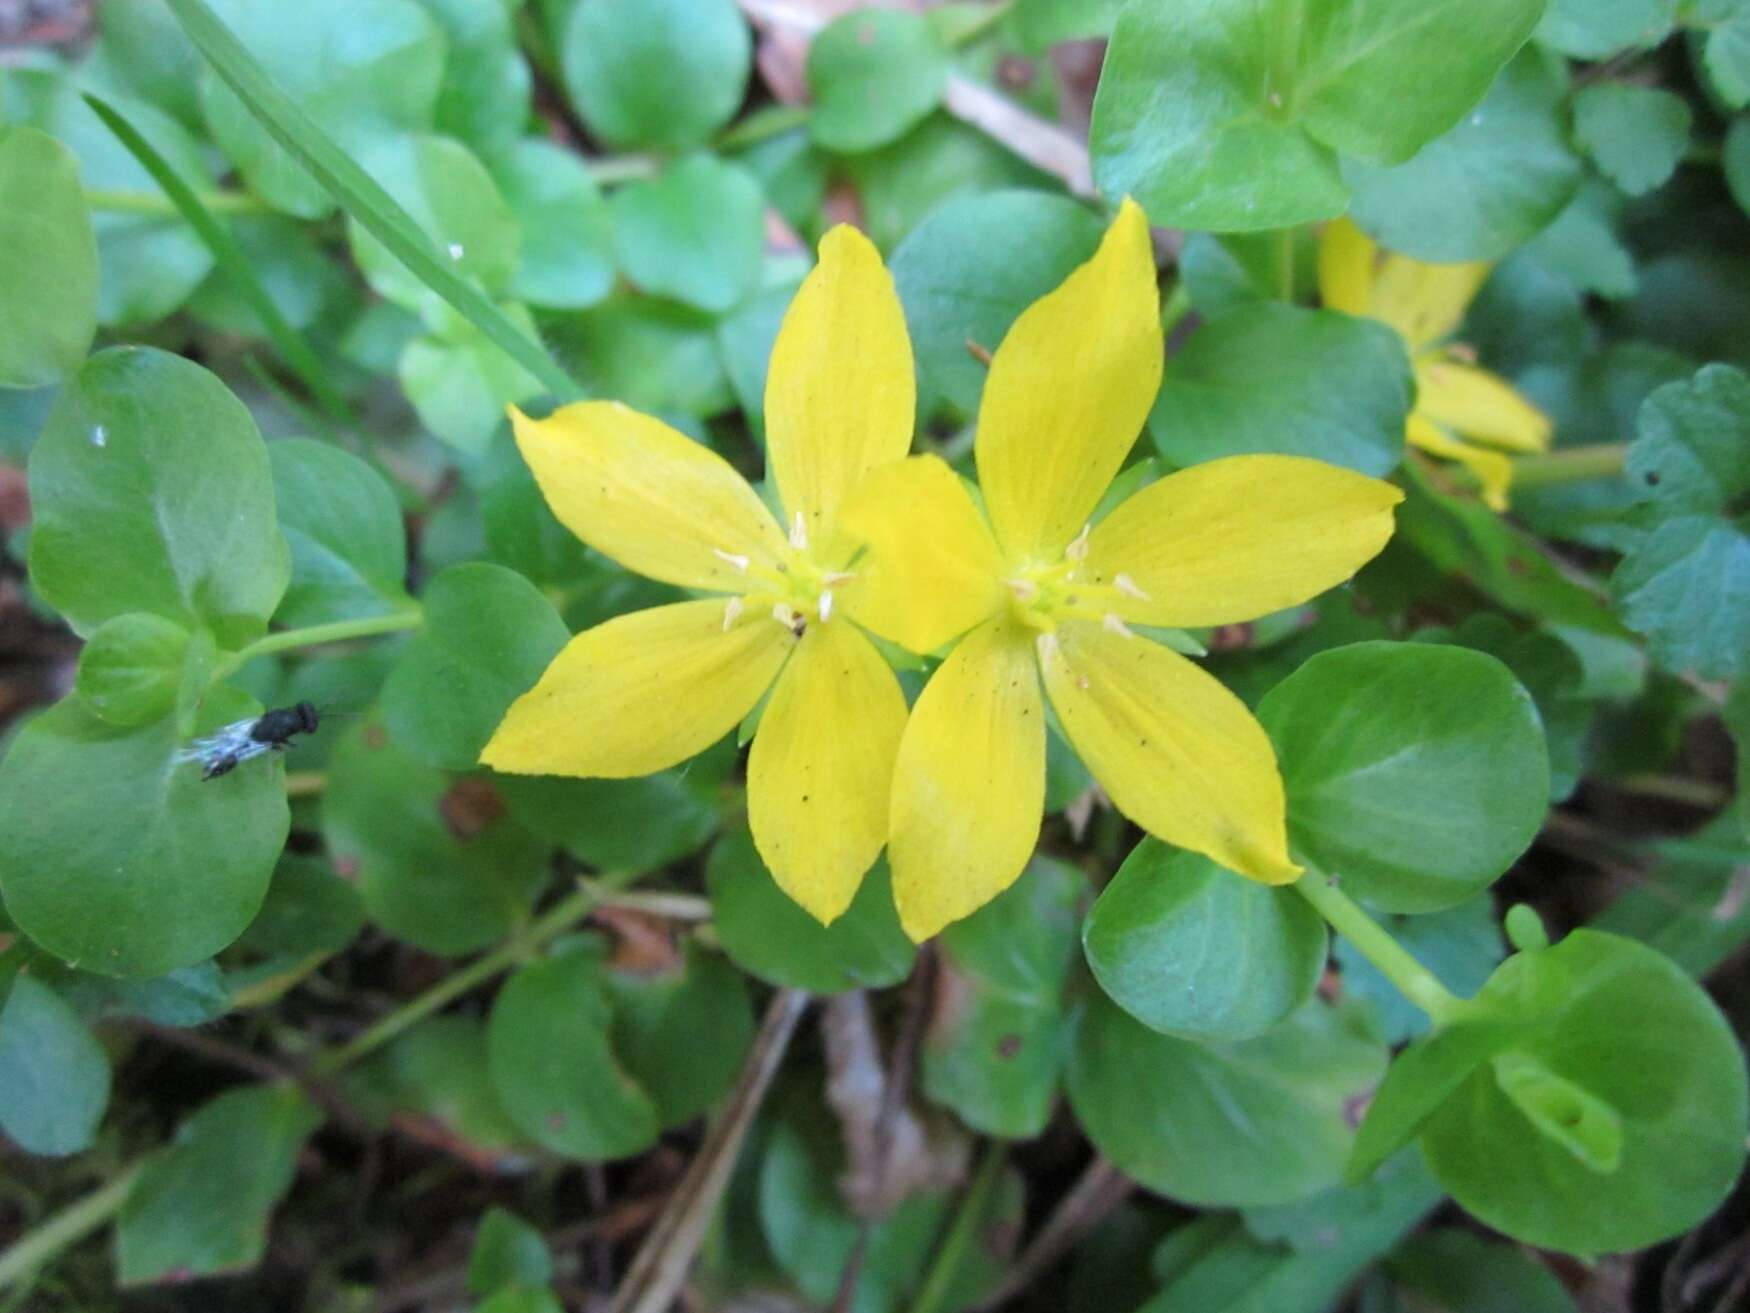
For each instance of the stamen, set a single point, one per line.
(826, 606)
(833, 578)
(1082, 682)
(798, 532)
(1047, 645)
(785, 615)
(730, 558)
(731, 613)
(1126, 585)
(1078, 550)
(1113, 625)
(1024, 589)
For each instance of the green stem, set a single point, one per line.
(609, 169)
(763, 125)
(313, 635)
(1571, 465)
(1413, 980)
(938, 1287)
(563, 915)
(157, 204)
(67, 1227)
(1177, 306)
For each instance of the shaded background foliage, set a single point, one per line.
(619, 198)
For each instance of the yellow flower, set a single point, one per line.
(1462, 413)
(644, 691)
(1046, 604)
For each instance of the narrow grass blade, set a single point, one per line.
(358, 193)
(231, 260)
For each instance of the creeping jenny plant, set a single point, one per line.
(1462, 413)
(644, 691)
(1043, 597)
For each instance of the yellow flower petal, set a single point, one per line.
(841, 393)
(1493, 470)
(1069, 390)
(1179, 754)
(931, 570)
(1424, 302)
(1346, 262)
(819, 774)
(969, 785)
(651, 498)
(639, 693)
(1480, 405)
(1237, 538)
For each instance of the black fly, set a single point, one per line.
(229, 746)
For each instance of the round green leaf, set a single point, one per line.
(615, 825)
(969, 269)
(148, 264)
(771, 937)
(1681, 584)
(1623, 1038)
(998, 1040)
(507, 1252)
(366, 71)
(188, 996)
(1488, 185)
(1596, 29)
(451, 196)
(175, 1224)
(1415, 774)
(54, 1076)
(488, 635)
(460, 381)
(131, 670)
(657, 73)
(1263, 1121)
(142, 52)
(439, 1070)
(309, 909)
(696, 233)
(1265, 378)
(485, 95)
(1456, 1272)
(554, 1068)
(300, 277)
(1735, 159)
(810, 1229)
(48, 261)
(150, 492)
(1190, 949)
(653, 355)
(940, 158)
(1213, 119)
(341, 520)
(874, 75)
(1379, 81)
(1184, 122)
(118, 858)
(682, 1032)
(1636, 135)
(440, 866)
(567, 260)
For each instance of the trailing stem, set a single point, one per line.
(1413, 980)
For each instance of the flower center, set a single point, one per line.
(794, 593)
(1045, 592)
